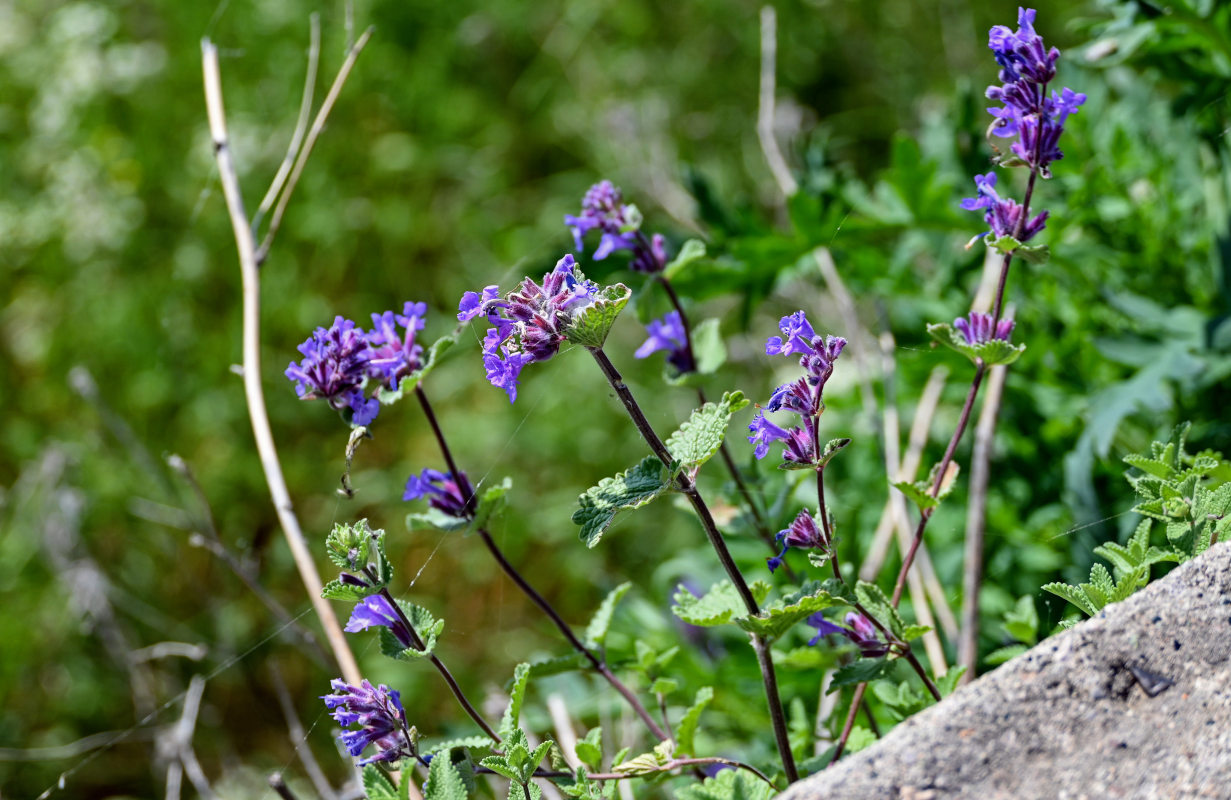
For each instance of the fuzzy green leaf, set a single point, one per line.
(708, 348)
(590, 749)
(443, 781)
(991, 353)
(692, 250)
(632, 488)
(596, 631)
(517, 695)
(913, 632)
(337, 590)
(862, 671)
(717, 606)
(1074, 595)
(1022, 623)
(559, 665)
(501, 766)
(376, 786)
(729, 784)
(426, 625)
(435, 518)
(348, 546)
(831, 449)
(686, 731)
(780, 616)
(591, 326)
(1003, 654)
(430, 362)
(491, 502)
(947, 683)
(476, 742)
(517, 793)
(698, 439)
(874, 600)
(918, 495)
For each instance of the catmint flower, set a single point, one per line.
(1003, 215)
(334, 366)
(803, 533)
(379, 714)
(861, 632)
(977, 328)
(396, 355)
(530, 323)
(377, 612)
(444, 493)
(668, 334)
(798, 448)
(603, 209)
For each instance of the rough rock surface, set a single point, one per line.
(1068, 719)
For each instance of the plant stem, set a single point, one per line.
(688, 487)
(848, 726)
(599, 665)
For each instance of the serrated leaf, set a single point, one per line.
(1003, 654)
(430, 362)
(863, 670)
(913, 632)
(531, 790)
(698, 439)
(376, 786)
(691, 251)
(630, 489)
(426, 626)
(476, 742)
(686, 731)
(780, 616)
(517, 696)
(947, 683)
(596, 631)
(435, 518)
(717, 606)
(491, 502)
(559, 665)
(920, 496)
(1159, 469)
(664, 686)
(590, 327)
(991, 353)
(874, 600)
(501, 766)
(728, 784)
(443, 781)
(644, 764)
(708, 349)
(590, 749)
(348, 545)
(831, 449)
(1030, 253)
(337, 590)
(1073, 594)
(1101, 580)
(1022, 623)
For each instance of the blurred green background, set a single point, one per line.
(466, 132)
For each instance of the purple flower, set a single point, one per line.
(861, 631)
(335, 362)
(1002, 216)
(395, 355)
(379, 714)
(977, 328)
(803, 533)
(530, 323)
(603, 209)
(376, 611)
(668, 334)
(763, 432)
(443, 492)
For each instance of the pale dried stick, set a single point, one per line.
(924, 412)
(318, 125)
(253, 390)
(976, 522)
(299, 738)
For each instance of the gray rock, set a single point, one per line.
(1069, 719)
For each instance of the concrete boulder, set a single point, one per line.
(1134, 703)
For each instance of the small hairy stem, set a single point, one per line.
(686, 485)
(519, 580)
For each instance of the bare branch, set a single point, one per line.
(765, 105)
(318, 125)
(253, 389)
(299, 738)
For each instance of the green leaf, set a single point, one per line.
(686, 731)
(426, 625)
(692, 250)
(591, 326)
(708, 348)
(517, 695)
(435, 518)
(430, 361)
(630, 489)
(476, 742)
(1003, 654)
(376, 786)
(337, 590)
(1022, 623)
(863, 670)
(501, 766)
(780, 616)
(590, 749)
(443, 781)
(718, 606)
(947, 683)
(348, 545)
(664, 686)
(698, 439)
(874, 600)
(991, 353)
(729, 784)
(491, 502)
(1074, 595)
(559, 665)
(913, 632)
(902, 699)
(596, 631)
(516, 792)
(918, 495)
(832, 448)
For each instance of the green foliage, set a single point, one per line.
(947, 683)
(596, 631)
(376, 786)
(877, 603)
(901, 699)
(430, 360)
(686, 730)
(718, 606)
(990, 353)
(698, 439)
(590, 328)
(920, 492)
(863, 670)
(444, 782)
(517, 695)
(589, 750)
(491, 503)
(729, 784)
(690, 252)
(632, 488)
(427, 626)
(781, 615)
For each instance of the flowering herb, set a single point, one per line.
(1003, 216)
(668, 334)
(978, 328)
(377, 612)
(395, 355)
(444, 492)
(530, 323)
(334, 365)
(861, 632)
(603, 209)
(379, 714)
(802, 533)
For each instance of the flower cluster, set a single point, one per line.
(529, 324)
(803, 533)
(377, 612)
(803, 396)
(379, 714)
(977, 328)
(861, 632)
(340, 360)
(444, 492)
(668, 334)
(1028, 114)
(603, 209)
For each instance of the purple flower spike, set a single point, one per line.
(442, 491)
(336, 361)
(763, 432)
(379, 714)
(977, 328)
(603, 209)
(802, 533)
(1002, 215)
(861, 631)
(530, 323)
(396, 355)
(376, 611)
(668, 334)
